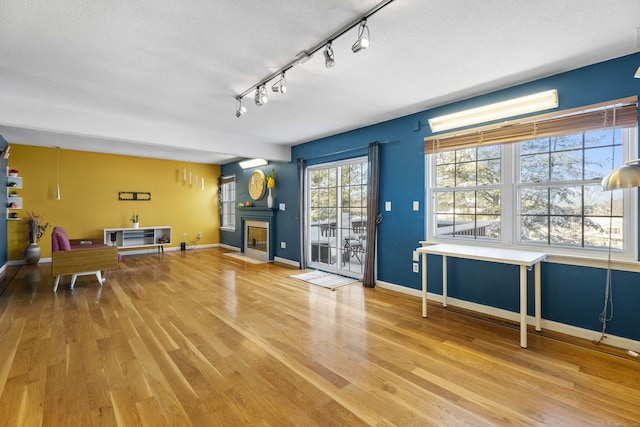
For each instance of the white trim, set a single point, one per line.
(612, 340)
(286, 261)
(225, 246)
(3, 268)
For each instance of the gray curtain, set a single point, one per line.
(302, 173)
(373, 218)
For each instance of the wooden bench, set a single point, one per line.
(79, 260)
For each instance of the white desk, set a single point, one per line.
(524, 259)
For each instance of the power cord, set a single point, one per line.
(191, 243)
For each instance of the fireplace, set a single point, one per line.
(256, 239)
(258, 232)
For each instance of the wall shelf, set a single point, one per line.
(14, 202)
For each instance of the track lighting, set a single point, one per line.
(280, 85)
(363, 42)
(261, 95)
(241, 108)
(329, 60)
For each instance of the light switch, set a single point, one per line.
(416, 205)
(387, 206)
(281, 206)
(416, 256)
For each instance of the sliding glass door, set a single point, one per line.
(336, 209)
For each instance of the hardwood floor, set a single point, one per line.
(197, 338)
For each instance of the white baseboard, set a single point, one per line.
(287, 261)
(612, 340)
(232, 248)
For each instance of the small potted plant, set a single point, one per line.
(134, 220)
(13, 193)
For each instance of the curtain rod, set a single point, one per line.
(347, 150)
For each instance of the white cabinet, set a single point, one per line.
(137, 237)
(14, 201)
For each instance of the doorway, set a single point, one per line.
(336, 210)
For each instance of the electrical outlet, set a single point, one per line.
(184, 235)
(416, 267)
(199, 235)
(283, 245)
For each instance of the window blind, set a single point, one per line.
(617, 114)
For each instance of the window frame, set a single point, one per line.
(229, 204)
(510, 226)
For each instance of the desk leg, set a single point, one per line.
(444, 280)
(523, 306)
(538, 298)
(424, 285)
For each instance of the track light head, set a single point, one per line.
(363, 41)
(241, 109)
(280, 85)
(261, 95)
(329, 59)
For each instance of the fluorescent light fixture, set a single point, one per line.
(500, 110)
(637, 74)
(252, 163)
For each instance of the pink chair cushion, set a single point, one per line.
(59, 240)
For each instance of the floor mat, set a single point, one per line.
(324, 279)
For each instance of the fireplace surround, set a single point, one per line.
(257, 242)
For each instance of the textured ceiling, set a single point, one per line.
(158, 78)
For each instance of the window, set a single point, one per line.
(541, 192)
(228, 202)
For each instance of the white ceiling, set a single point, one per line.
(158, 78)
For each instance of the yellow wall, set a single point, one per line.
(89, 186)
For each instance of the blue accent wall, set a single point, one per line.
(285, 191)
(572, 295)
(4, 244)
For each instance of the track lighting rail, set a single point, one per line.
(305, 55)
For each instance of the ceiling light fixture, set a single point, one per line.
(500, 110)
(302, 57)
(241, 108)
(261, 95)
(363, 42)
(329, 59)
(281, 85)
(252, 163)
